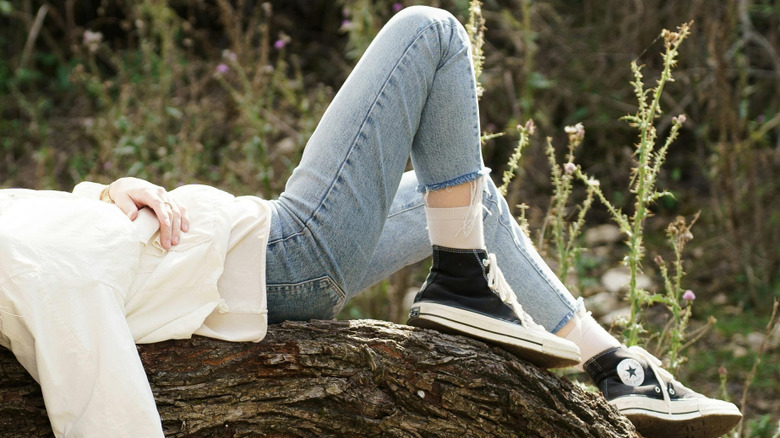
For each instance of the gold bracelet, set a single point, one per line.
(105, 195)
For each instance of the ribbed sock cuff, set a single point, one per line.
(456, 227)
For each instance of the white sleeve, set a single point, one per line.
(88, 190)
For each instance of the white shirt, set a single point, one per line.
(212, 283)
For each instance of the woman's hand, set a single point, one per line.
(131, 194)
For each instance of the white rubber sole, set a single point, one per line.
(538, 347)
(690, 418)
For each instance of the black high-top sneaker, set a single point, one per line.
(633, 381)
(466, 293)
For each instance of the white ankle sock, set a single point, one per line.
(453, 228)
(458, 227)
(590, 336)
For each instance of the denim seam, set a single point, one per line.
(304, 227)
(471, 176)
(405, 210)
(305, 283)
(570, 314)
(360, 131)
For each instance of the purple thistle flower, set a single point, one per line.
(222, 68)
(530, 126)
(397, 7)
(279, 44)
(689, 295)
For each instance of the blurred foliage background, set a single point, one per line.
(227, 92)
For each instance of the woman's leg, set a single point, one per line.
(537, 288)
(413, 92)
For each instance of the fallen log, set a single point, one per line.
(345, 379)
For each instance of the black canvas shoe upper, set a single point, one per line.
(619, 372)
(466, 294)
(632, 380)
(459, 278)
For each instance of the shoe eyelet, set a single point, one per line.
(658, 389)
(671, 391)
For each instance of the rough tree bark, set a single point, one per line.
(345, 379)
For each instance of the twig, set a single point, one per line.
(35, 30)
(699, 332)
(770, 326)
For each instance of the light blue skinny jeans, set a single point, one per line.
(349, 216)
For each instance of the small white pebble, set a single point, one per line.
(421, 393)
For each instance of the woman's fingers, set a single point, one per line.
(169, 215)
(175, 223)
(180, 221)
(185, 219)
(127, 205)
(173, 219)
(164, 215)
(130, 194)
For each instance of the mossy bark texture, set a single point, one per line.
(342, 379)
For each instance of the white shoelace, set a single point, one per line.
(664, 377)
(497, 283)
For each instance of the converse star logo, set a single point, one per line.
(631, 372)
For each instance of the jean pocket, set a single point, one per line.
(318, 298)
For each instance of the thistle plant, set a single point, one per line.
(649, 159)
(563, 233)
(138, 126)
(154, 111)
(678, 302)
(266, 88)
(475, 28)
(514, 161)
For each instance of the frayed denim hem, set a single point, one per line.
(454, 182)
(578, 309)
